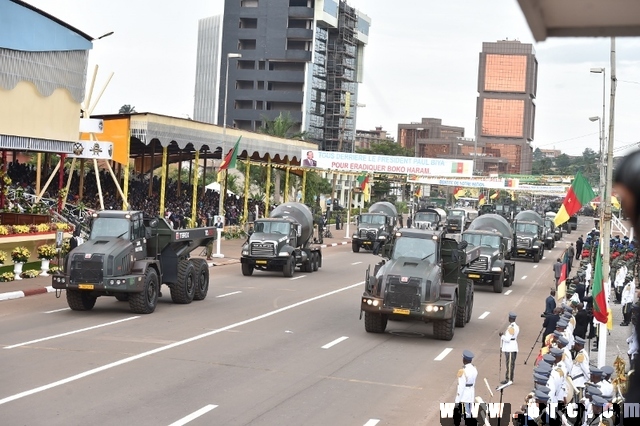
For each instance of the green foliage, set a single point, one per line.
(387, 147)
(233, 233)
(281, 127)
(315, 186)
(127, 109)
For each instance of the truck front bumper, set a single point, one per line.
(265, 262)
(364, 242)
(528, 252)
(122, 284)
(429, 311)
(483, 277)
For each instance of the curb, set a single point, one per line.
(335, 244)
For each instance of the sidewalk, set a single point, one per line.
(229, 248)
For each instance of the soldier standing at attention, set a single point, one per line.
(509, 346)
(466, 382)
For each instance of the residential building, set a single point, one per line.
(507, 85)
(550, 153)
(298, 57)
(431, 138)
(366, 138)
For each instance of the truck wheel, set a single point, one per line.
(461, 315)
(444, 329)
(202, 279)
(498, 283)
(315, 264)
(355, 247)
(509, 280)
(470, 309)
(375, 323)
(247, 270)
(307, 266)
(568, 230)
(289, 267)
(185, 289)
(80, 300)
(536, 257)
(145, 302)
(122, 297)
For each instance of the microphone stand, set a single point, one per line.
(534, 345)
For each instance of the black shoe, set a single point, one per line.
(624, 324)
(504, 382)
(594, 350)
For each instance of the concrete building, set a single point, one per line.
(431, 138)
(550, 153)
(205, 101)
(298, 57)
(507, 85)
(366, 138)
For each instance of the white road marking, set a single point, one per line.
(356, 263)
(483, 316)
(170, 346)
(372, 422)
(71, 332)
(524, 277)
(443, 354)
(508, 292)
(57, 310)
(535, 266)
(194, 415)
(298, 277)
(544, 257)
(229, 294)
(335, 342)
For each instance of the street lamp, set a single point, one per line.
(224, 139)
(602, 138)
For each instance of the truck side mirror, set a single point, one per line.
(153, 223)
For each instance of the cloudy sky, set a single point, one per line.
(421, 61)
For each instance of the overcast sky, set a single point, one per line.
(421, 61)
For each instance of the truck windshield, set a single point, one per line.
(456, 213)
(420, 248)
(478, 240)
(527, 228)
(272, 227)
(373, 219)
(427, 217)
(110, 227)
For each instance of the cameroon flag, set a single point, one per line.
(600, 311)
(365, 186)
(578, 195)
(481, 200)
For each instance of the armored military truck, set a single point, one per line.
(493, 235)
(430, 218)
(375, 226)
(458, 220)
(529, 232)
(420, 278)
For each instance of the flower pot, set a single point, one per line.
(44, 267)
(17, 270)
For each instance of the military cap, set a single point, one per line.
(562, 324)
(540, 378)
(595, 371)
(541, 396)
(579, 341)
(607, 370)
(563, 340)
(557, 333)
(593, 390)
(556, 352)
(468, 355)
(543, 368)
(513, 315)
(543, 389)
(567, 315)
(598, 401)
(549, 359)
(568, 309)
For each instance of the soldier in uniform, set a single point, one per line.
(509, 347)
(541, 399)
(559, 372)
(567, 358)
(466, 382)
(580, 370)
(605, 387)
(599, 419)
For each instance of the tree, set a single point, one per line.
(563, 163)
(387, 147)
(127, 109)
(537, 154)
(281, 127)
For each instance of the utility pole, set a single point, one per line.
(606, 228)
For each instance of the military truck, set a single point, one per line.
(130, 257)
(420, 279)
(458, 220)
(430, 218)
(486, 209)
(375, 226)
(529, 233)
(493, 235)
(282, 242)
(549, 218)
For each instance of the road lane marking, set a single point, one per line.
(535, 266)
(335, 342)
(443, 354)
(372, 422)
(71, 332)
(356, 263)
(204, 410)
(170, 346)
(298, 277)
(524, 277)
(57, 310)
(229, 294)
(483, 316)
(508, 292)
(544, 257)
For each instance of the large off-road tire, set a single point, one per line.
(470, 309)
(122, 297)
(247, 270)
(307, 264)
(202, 279)
(80, 300)
(445, 329)
(498, 283)
(568, 230)
(375, 323)
(289, 267)
(536, 257)
(509, 279)
(461, 315)
(315, 264)
(185, 289)
(355, 247)
(146, 301)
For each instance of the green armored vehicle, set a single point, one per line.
(421, 278)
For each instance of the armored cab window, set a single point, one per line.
(420, 248)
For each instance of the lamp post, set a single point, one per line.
(602, 139)
(601, 163)
(224, 140)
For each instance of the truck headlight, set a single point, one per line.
(284, 254)
(354, 236)
(376, 303)
(245, 252)
(382, 237)
(536, 246)
(496, 269)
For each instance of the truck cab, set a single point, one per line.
(529, 240)
(429, 218)
(373, 229)
(457, 220)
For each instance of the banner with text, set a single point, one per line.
(371, 163)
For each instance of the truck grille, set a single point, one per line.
(87, 270)
(263, 249)
(368, 233)
(402, 295)
(481, 264)
(524, 242)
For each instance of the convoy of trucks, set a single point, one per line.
(529, 230)
(282, 242)
(375, 226)
(430, 218)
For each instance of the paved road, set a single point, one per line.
(261, 350)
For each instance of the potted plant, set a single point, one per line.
(3, 257)
(19, 255)
(46, 253)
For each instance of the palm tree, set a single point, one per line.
(127, 109)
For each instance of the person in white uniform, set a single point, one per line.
(509, 347)
(467, 376)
